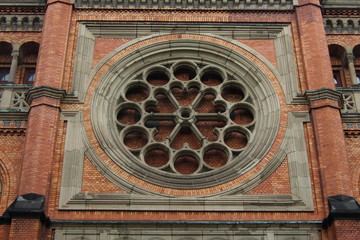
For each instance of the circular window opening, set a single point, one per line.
(181, 123)
(203, 112)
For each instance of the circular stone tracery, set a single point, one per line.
(194, 124)
(195, 118)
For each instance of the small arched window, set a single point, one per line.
(5, 62)
(337, 56)
(356, 52)
(28, 57)
(3, 23)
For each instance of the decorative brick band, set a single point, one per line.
(21, 22)
(189, 4)
(336, 25)
(324, 97)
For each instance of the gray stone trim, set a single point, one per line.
(197, 231)
(13, 98)
(189, 4)
(88, 32)
(285, 58)
(140, 199)
(23, 2)
(341, 4)
(335, 25)
(45, 91)
(297, 157)
(138, 30)
(21, 22)
(73, 156)
(83, 62)
(325, 93)
(13, 116)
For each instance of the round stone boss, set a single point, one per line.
(185, 114)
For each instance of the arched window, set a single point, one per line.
(337, 56)
(5, 62)
(356, 52)
(28, 57)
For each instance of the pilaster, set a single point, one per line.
(44, 100)
(335, 174)
(324, 102)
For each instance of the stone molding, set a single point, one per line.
(254, 230)
(23, 2)
(325, 97)
(45, 91)
(188, 4)
(341, 4)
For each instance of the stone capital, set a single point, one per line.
(45, 91)
(324, 97)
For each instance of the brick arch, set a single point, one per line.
(8, 181)
(29, 51)
(356, 50)
(5, 51)
(337, 42)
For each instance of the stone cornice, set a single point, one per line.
(324, 97)
(45, 91)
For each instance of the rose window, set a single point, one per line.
(185, 118)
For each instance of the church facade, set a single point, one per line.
(180, 120)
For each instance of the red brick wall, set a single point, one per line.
(12, 144)
(95, 182)
(353, 152)
(4, 232)
(347, 229)
(277, 183)
(25, 229)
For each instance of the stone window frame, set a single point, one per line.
(293, 146)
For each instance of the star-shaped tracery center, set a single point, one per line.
(185, 118)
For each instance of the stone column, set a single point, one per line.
(14, 65)
(350, 59)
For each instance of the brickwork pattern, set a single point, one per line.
(4, 232)
(347, 229)
(25, 229)
(353, 151)
(277, 183)
(105, 46)
(264, 47)
(10, 167)
(95, 182)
